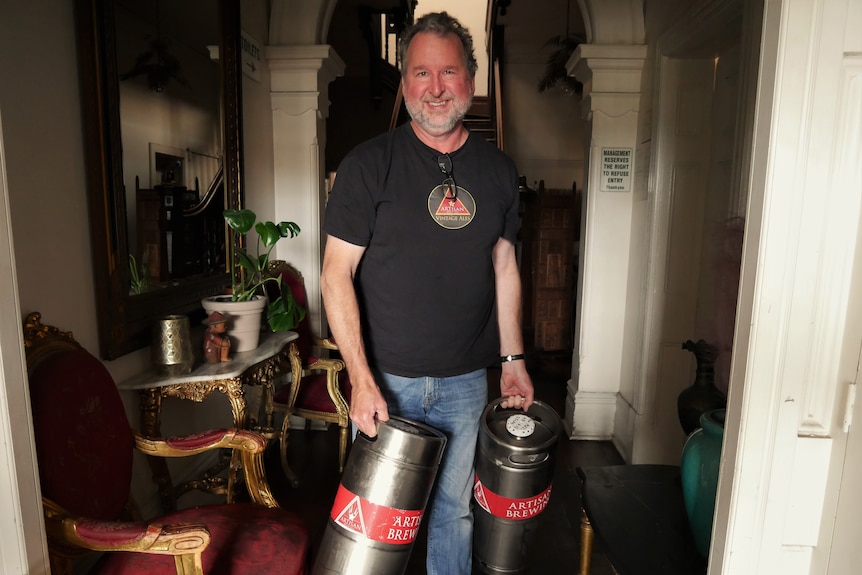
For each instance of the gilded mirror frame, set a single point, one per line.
(125, 321)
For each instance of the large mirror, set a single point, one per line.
(162, 114)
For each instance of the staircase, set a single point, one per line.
(480, 121)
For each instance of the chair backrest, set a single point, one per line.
(84, 443)
(292, 278)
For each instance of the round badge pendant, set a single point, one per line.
(451, 212)
(520, 425)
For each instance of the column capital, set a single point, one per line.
(300, 77)
(611, 76)
(302, 68)
(608, 68)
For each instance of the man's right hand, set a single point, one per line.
(367, 407)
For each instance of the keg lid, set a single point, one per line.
(536, 429)
(520, 425)
(407, 441)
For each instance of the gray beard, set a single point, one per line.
(440, 127)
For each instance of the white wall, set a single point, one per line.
(543, 132)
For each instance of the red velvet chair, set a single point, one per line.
(319, 388)
(84, 447)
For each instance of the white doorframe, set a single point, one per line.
(773, 509)
(23, 547)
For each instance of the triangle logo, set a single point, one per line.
(450, 207)
(479, 495)
(351, 517)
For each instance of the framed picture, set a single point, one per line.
(167, 165)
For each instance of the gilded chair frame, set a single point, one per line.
(71, 536)
(332, 368)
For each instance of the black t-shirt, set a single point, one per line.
(426, 281)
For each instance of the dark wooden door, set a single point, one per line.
(549, 235)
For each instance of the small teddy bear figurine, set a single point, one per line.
(216, 343)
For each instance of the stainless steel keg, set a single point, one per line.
(514, 471)
(381, 499)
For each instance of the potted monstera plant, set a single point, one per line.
(252, 286)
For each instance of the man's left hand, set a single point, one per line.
(516, 386)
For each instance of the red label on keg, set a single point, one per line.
(506, 508)
(372, 521)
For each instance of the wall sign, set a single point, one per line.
(616, 170)
(251, 53)
(250, 49)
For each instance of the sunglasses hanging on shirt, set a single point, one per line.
(444, 162)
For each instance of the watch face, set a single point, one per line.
(520, 425)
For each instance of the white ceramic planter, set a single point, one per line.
(243, 319)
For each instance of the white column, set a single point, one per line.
(612, 81)
(299, 94)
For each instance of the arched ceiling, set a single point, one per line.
(300, 22)
(305, 22)
(613, 22)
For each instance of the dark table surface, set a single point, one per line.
(638, 514)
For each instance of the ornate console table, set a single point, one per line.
(259, 366)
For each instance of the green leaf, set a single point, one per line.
(241, 221)
(262, 263)
(288, 229)
(254, 268)
(246, 261)
(268, 232)
(284, 314)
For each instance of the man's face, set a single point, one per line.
(438, 89)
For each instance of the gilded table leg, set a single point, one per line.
(234, 393)
(268, 393)
(151, 405)
(263, 375)
(586, 543)
(282, 449)
(295, 364)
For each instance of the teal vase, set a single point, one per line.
(701, 457)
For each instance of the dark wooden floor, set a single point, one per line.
(555, 548)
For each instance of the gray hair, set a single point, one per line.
(440, 23)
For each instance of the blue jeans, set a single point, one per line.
(454, 406)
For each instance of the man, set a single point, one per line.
(420, 280)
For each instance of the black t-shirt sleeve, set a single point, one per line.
(513, 219)
(350, 211)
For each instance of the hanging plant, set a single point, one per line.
(157, 63)
(555, 67)
(563, 46)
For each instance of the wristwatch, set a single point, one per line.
(511, 357)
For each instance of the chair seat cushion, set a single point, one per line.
(245, 539)
(313, 394)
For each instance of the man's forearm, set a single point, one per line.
(342, 312)
(508, 291)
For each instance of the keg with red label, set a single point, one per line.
(514, 471)
(381, 500)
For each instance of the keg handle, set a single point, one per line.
(363, 435)
(498, 408)
(528, 459)
(366, 436)
(512, 410)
